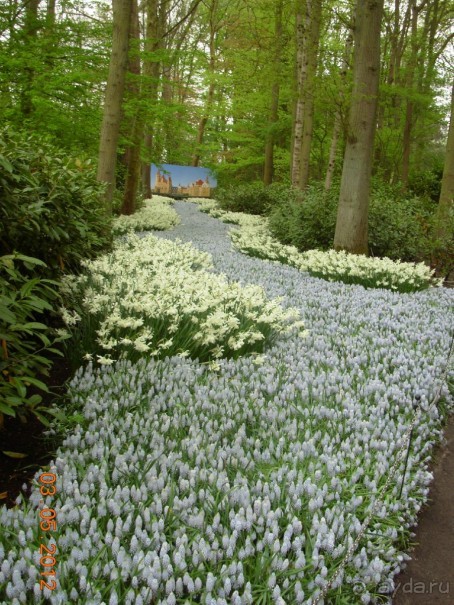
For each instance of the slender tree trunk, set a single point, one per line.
(338, 117)
(30, 32)
(167, 88)
(352, 216)
(409, 110)
(333, 151)
(133, 149)
(212, 86)
(297, 133)
(315, 9)
(308, 35)
(110, 128)
(274, 109)
(202, 124)
(151, 70)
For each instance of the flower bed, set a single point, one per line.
(156, 214)
(155, 297)
(247, 484)
(253, 238)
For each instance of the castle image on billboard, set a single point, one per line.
(173, 180)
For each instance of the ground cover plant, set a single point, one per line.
(245, 484)
(254, 238)
(155, 214)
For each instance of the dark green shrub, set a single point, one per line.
(26, 342)
(439, 249)
(51, 218)
(427, 183)
(399, 227)
(253, 198)
(307, 220)
(51, 208)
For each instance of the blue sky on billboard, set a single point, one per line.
(183, 176)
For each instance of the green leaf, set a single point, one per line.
(57, 351)
(39, 304)
(37, 383)
(13, 400)
(41, 418)
(14, 454)
(6, 409)
(34, 400)
(20, 386)
(31, 325)
(6, 164)
(28, 287)
(6, 315)
(28, 260)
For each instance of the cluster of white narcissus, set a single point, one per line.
(245, 485)
(254, 238)
(157, 297)
(156, 213)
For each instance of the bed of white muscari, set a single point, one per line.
(156, 214)
(246, 485)
(253, 238)
(155, 297)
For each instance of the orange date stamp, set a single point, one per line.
(48, 523)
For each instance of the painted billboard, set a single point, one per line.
(170, 179)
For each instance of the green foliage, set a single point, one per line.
(51, 207)
(26, 342)
(439, 248)
(399, 227)
(253, 198)
(427, 183)
(306, 221)
(51, 218)
(53, 70)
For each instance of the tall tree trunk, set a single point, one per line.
(132, 152)
(352, 216)
(446, 202)
(315, 9)
(338, 117)
(151, 70)
(211, 87)
(297, 130)
(409, 110)
(274, 109)
(30, 33)
(308, 35)
(110, 128)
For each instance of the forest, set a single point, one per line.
(263, 91)
(233, 399)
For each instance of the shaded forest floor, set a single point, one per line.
(28, 438)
